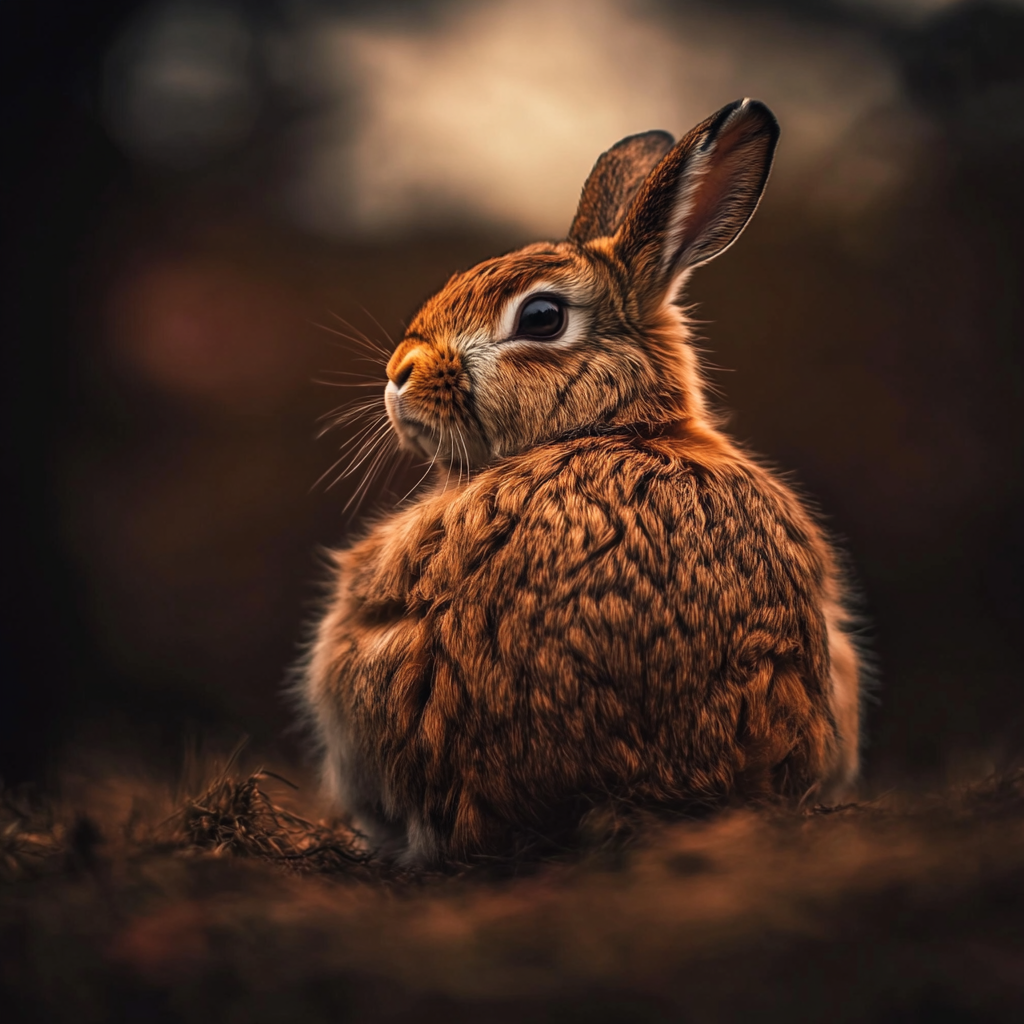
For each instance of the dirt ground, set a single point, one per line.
(231, 900)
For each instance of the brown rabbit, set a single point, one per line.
(619, 603)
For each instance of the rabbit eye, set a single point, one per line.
(541, 318)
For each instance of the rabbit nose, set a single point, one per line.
(402, 374)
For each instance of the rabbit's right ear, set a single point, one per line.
(614, 182)
(698, 199)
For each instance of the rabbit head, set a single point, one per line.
(584, 335)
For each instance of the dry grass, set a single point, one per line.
(236, 816)
(234, 902)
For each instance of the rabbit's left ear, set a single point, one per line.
(614, 182)
(699, 198)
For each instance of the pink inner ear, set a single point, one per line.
(699, 198)
(719, 194)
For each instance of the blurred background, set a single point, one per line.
(190, 188)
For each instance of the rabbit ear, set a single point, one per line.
(613, 183)
(699, 198)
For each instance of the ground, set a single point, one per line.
(230, 900)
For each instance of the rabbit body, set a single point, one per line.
(619, 603)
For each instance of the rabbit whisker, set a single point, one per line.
(327, 428)
(360, 428)
(368, 381)
(362, 336)
(379, 324)
(456, 453)
(465, 451)
(352, 327)
(372, 360)
(361, 353)
(339, 417)
(361, 437)
(366, 402)
(341, 476)
(386, 448)
(367, 449)
(364, 343)
(451, 463)
(426, 472)
(326, 473)
(391, 472)
(345, 449)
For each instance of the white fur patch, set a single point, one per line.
(845, 702)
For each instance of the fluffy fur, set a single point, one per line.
(618, 604)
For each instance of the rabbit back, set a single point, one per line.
(645, 619)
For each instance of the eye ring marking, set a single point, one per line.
(541, 317)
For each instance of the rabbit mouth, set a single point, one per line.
(419, 437)
(445, 441)
(414, 435)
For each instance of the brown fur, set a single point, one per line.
(614, 182)
(618, 603)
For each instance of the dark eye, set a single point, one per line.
(541, 318)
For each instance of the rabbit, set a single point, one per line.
(618, 604)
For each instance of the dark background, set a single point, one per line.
(160, 410)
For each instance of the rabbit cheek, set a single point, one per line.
(516, 397)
